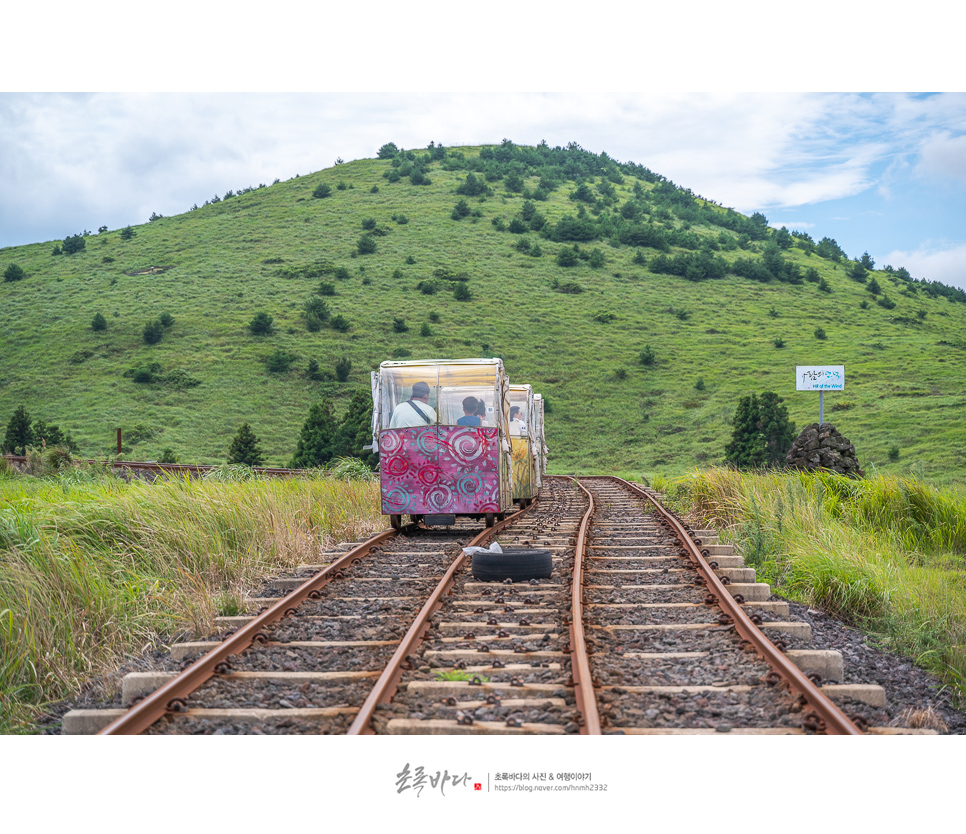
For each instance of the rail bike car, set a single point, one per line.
(523, 445)
(541, 439)
(443, 435)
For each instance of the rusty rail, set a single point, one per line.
(164, 700)
(385, 687)
(831, 719)
(579, 662)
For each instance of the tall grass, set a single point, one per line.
(93, 570)
(883, 553)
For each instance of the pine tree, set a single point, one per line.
(355, 430)
(778, 433)
(746, 449)
(315, 440)
(19, 434)
(762, 432)
(245, 449)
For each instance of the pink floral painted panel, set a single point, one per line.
(440, 469)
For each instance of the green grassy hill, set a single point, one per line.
(576, 332)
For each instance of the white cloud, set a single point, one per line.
(944, 157)
(791, 225)
(932, 262)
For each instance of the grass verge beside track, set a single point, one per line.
(94, 569)
(885, 554)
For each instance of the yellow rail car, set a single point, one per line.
(523, 444)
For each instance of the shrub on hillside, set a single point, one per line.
(280, 361)
(145, 374)
(343, 368)
(98, 322)
(461, 292)
(153, 374)
(153, 331)
(340, 323)
(472, 186)
(14, 272)
(366, 245)
(261, 324)
(646, 356)
(567, 257)
(74, 244)
(316, 313)
(316, 373)
(886, 302)
(322, 190)
(180, 380)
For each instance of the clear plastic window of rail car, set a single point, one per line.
(521, 422)
(449, 384)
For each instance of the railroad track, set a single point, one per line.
(645, 627)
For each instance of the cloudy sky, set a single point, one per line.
(881, 172)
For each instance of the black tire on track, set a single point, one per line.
(520, 565)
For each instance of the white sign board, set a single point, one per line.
(820, 377)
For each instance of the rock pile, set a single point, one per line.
(824, 447)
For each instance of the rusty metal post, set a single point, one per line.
(118, 442)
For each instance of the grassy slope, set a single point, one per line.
(905, 388)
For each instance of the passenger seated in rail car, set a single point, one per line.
(416, 411)
(471, 412)
(517, 427)
(481, 411)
